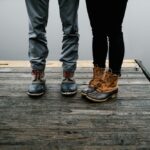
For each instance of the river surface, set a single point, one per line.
(14, 29)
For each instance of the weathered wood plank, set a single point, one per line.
(65, 138)
(78, 75)
(57, 146)
(80, 63)
(69, 123)
(53, 91)
(79, 81)
(56, 70)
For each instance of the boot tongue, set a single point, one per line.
(67, 74)
(68, 77)
(37, 75)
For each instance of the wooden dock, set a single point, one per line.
(54, 122)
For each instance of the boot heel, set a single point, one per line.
(114, 96)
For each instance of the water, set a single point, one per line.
(14, 28)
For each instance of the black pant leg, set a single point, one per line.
(115, 34)
(99, 45)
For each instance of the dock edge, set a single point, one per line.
(145, 71)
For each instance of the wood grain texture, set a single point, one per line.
(54, 122)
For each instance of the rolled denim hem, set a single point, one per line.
(69, 67)
(38, 67)
(69, 70)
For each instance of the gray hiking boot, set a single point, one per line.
(68, 85)
(37, 87)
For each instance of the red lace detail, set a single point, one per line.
(67, 74)
(37, 74)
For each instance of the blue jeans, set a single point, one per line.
(38, 18)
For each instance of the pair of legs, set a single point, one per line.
(38, 18)
(106, 19)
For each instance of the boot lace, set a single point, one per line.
(37, 75)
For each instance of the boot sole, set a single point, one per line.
(83, 94)
(35, 94)
(102, 100)
(68, 93)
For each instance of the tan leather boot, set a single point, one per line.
(96, 80)
(110, 82)
(107, 90)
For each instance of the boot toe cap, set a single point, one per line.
(36, 89)
(68, 88)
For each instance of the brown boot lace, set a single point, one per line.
(68, 74)
(37, 75)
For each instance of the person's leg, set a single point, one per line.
(116, 46)
(69, 18)
(38, 17)
(38, 51)
(109, 88)
(99, 45)
(98, 23)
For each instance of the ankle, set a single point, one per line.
(68, 74)
(37, 74)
